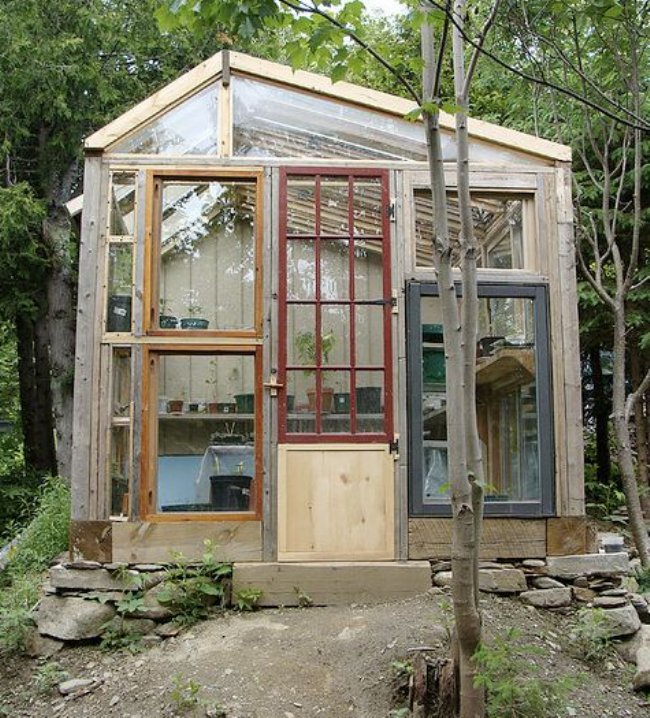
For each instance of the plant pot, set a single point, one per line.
(218, 439)
(326, 400)
(118, 318)
(291, 402)
(245, 403)
(166, 321)
(175, 406)
(342, 403)
(230, 492)
(194, 323)
(368, 399)
(194, 407)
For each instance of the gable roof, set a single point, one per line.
(213, 68)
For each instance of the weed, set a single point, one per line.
(247, 599)
(304, 599)
(185, 693)
(507, 672)
(48, 675)
(116, 639)
(642, 576)
(400, 713)
(588, 639)
(189, 590)
(402, 669)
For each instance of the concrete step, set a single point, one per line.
(333, 583)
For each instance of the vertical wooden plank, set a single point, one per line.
(270, 280)
(139, 252)
(400, 237)
(89, 251)
(575, 498)
(557, 344)
(102, 497)
(541, 215)
(225, 120)
(137, 371)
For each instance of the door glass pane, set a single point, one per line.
(369, 330)
(335, 270)
(335, 334)
(119, 287)
(206, 433)
(368, 270)
(301, 269)
(207, 255)
(335, 402)
(369, 395)
(301, 336)
(506, 396)
(368, 207)
(334, 214)
(191, 128)
(301, 402)
(301, 206)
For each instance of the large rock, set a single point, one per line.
(609, 601)
(131, 626)
(592, 564)
(151, 608)
(76, 579)
(620, 621)
(37, 646)
(72, 618)
(491, 580)
(642, 676)
(548, 598)
(546, 582)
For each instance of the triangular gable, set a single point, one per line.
(209, 71)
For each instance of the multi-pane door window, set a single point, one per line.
(335, 309)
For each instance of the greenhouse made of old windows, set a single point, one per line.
(259, 357)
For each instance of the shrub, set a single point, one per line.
(508, 673)
(588, 639)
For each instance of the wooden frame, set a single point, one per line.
(152, 234)
(149, 451)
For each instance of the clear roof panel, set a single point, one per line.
(191, 128)
(272, 121)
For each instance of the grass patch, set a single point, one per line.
(44, 537)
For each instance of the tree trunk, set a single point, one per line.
(636, 374)
(622, 434)
(35, 399)
(61, 329)
(602, 411)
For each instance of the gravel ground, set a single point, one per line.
(295, 663)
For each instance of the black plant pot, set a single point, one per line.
(168, 322)
(119, 313)
(194, 323)
(368, 400)
(230, 492)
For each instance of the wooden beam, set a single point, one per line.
(566, 536)
(502, 538)
(91, 541)
(144, 542)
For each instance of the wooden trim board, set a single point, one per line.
(502, 538)
(143, 542)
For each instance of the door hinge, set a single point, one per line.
(393, 446)
(390, 210)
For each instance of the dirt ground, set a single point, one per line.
(293, 663)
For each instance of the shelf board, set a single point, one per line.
(204, 416)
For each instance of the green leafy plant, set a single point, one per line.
(642, 576)
(402, 669)
(588, 639)
(247, 599)
(190, 590)
(304, 599)
(305, 343)
(117, 638)
(184, 693)
(507, 671)
(48, 675)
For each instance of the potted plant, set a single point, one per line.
(166, 319)
(175, 406)
(194, 310)
(118, 317)
(305, 343)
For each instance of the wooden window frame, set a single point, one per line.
(149, 453)
(318, 437)
(155, 178)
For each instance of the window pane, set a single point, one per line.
(119, 287)
(207, 255)
(334, 214)
(335, 402)
(369, 394)
(301, 206)
(120, 469)
(497, 225)
(206, 432)
(189, 129)
(369, 331)
(335, 334)
(506, 379)
(368, 270)
(122, 211)
(121, 382)
(368, 207)
(301, 343)
(301, 402)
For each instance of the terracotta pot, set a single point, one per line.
(326, 400)
(175, 406)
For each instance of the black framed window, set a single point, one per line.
(513, 400)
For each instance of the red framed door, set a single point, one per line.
(335, 353)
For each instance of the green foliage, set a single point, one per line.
(190, 590)
(304, 599)
(588, 639)
(247, 599)
(48, 675)
(402, 669)
(507, 671)
(185, 693)
(305, 343)
(642, 576)
(118, 639)
(44, 538)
